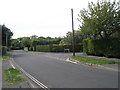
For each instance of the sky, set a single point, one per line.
(40, 17)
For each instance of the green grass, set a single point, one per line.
(12, 76)
(33, 52)
(93, 60)
(5, 58)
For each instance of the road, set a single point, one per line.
(52, 70)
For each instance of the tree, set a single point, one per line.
(68, 39)
(34, 43)
(101, 20)
(20, 41)
(6, 35)
(15, 44)
(34, 37)
(26, 42)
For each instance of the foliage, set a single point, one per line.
(43, 48)
(88, 46)
(5, 58)
(33, 37)
(6, 39)
(58, 48)
(4, 49)
(16, 44)
(67, 39)
(85, 48)
(25, 42)
(101, 20)
(32, 41)
(6, 35)
(102, 47)
(78, 37)
(61, 47)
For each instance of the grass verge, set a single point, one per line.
(5, 58)
(93, 60)
(12, 76)
(33, 52)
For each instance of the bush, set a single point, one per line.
(88, 46)
(58, 48)
(43, 48)
(102, 47)
(85, 44)
(4, 49)
(61, 47)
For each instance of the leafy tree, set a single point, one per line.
(26, 42)
(20, 41)
(6, 35)
(34, 37)
(34, 43)
(55, 40)
(101, 20)
(16, 44)
(68, 39)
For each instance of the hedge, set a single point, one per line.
(58, 48)
(102, 47)
(88, 46)
(43, 48)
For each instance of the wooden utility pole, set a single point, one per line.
(6, 39)
(73, 40)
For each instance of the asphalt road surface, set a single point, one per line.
(53, 71)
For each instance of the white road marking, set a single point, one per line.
(12, 65)
(31, 77)
(32, 85)
(98, 66)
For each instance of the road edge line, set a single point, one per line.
(31, 77)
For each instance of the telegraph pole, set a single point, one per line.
(73, 43)
(6, 39)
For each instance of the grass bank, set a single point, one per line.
(93, 60)
(5, 58)
(33, 52)
(12, 76)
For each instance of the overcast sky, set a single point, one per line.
(40, 17)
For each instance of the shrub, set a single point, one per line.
(85, 44)
(102, 47)
(58, 48)
(88, 46)
(61, 47)
(43, 48)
